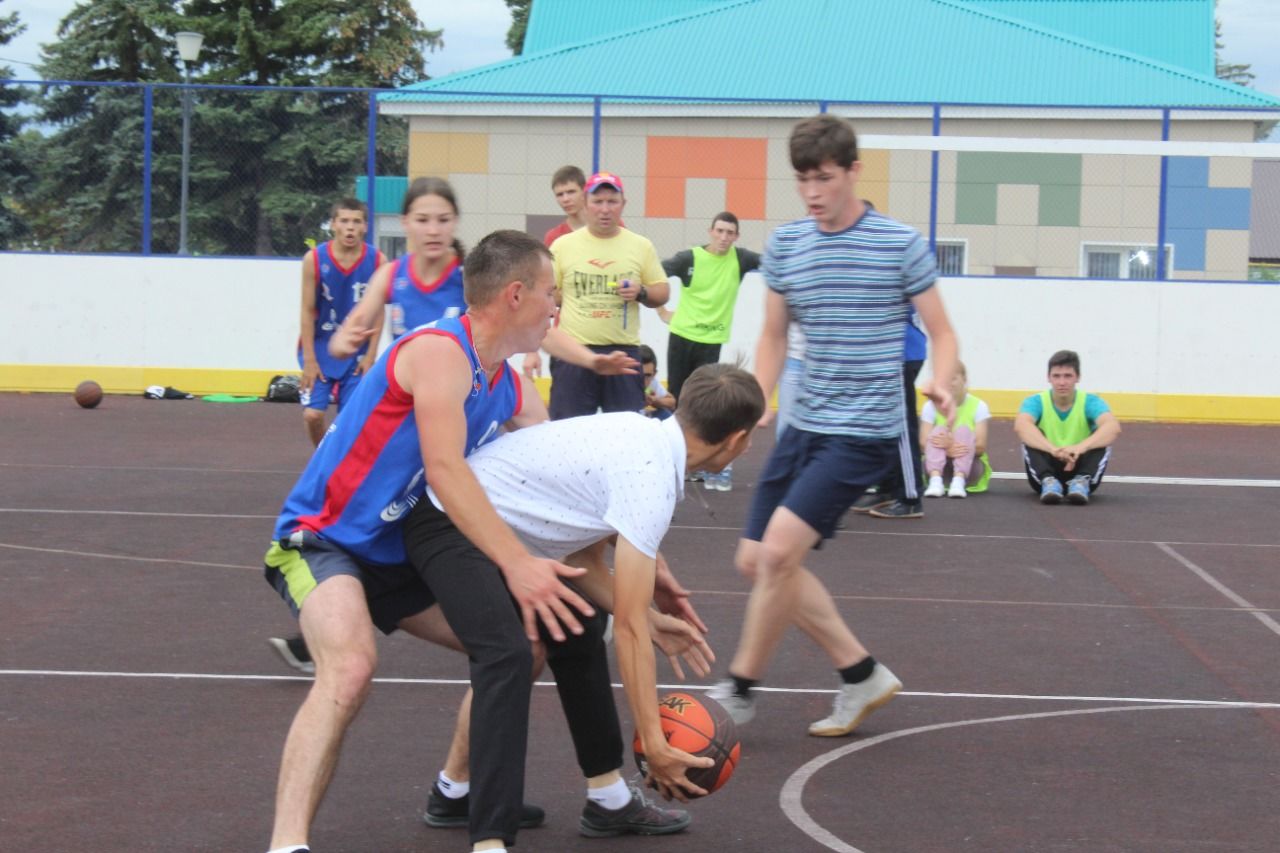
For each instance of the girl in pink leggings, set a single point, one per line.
(961, 448)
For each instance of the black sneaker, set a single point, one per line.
(869, 501)
(293, 650)
(638, 817)
(444, 813)
(899, 509)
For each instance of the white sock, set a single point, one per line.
(612, 797)
(451, 789)
(291, 848)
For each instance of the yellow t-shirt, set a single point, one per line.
(588, 271)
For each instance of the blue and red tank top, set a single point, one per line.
(368, 473)
(415, 303)
(338, 289)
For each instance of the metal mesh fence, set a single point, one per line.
(1001, 192)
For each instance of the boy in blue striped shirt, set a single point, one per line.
(848, 276)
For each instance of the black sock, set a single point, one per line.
(742, 686)
(859, 671)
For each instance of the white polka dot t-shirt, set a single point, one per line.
(567, 484)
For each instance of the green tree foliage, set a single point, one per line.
(519, 23)
(265, 165)
(13, 170)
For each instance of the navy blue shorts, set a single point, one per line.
(817, 477)
(295, 566)
(578, 391)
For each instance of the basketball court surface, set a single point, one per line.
(1098, 678)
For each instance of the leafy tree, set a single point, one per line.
(265, 165)
(519, 23)
(12, 168)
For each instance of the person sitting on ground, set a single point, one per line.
(962, 448)
(658, 401)
(1073, 443)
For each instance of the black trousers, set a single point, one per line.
(685, 356)
(1040, 465)
(475, 601)
(905, 482)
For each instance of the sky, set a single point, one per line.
(475, 30)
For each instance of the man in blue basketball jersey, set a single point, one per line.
(427, 402)
(334, 277)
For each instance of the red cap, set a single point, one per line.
(603, 179)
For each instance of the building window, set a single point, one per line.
(953, 257)
(392, 247)
(1123, 261)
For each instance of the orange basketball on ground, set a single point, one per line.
(700, 726)
(88, 394)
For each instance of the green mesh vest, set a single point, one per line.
(1063, 432)
(966, 413)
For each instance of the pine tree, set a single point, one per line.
(13, 169)
(519, 24)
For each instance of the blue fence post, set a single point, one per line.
(822, 107)
(933, 182)
(147, 116)
(371, 166)
(595, 135)
(1161, 272)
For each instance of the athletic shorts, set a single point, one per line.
(578, 391)
(331, 389)
(295, 566)
(817, 477)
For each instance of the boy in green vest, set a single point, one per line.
(1066, 435)
(961, 446)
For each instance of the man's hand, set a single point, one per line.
(532, 364)
(614, 364)
(766, 421)
(676, 638)
(367, 362)
(350, 336)
(628, 290)
(673, 599)
(535, 584)
(310, 373)
(667, 769)
(942, 400)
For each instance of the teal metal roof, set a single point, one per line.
(891, 51)
(388, 192)
(1177, 32)
(556, 23)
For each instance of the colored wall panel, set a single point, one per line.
(448, 153)
(742, 163)
(978, 173)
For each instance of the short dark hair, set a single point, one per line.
(647, 355)
(718, 400)
(823, 137)
(349, 203)
(568, 175)
(499, 259)
(726, 216)
(1065, 358)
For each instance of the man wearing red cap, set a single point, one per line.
(604, 272)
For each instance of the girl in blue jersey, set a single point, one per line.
(425, 284)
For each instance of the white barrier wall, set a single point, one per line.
(213, 314)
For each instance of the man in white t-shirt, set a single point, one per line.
(567, 487)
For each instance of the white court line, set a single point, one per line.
(734, 529)
(1160, 481)
(1226, 591)
(793, 790)
(291, 471)
(124, 557)
(681, 686)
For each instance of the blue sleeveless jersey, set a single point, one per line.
(367, 473)
(337, 292)
(415, 303)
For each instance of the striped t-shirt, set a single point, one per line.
(850, 293)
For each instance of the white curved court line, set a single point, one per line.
(793, 790)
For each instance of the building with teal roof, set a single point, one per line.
(1016, 133)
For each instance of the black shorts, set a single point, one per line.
(817, 477)
(578, 391)
(295, 566)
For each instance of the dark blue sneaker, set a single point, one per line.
(445, 813)
(638, 817)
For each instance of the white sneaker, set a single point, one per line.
(855, 702)
(741, 708)
(957, 489)
(935, 489)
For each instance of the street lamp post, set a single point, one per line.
(189, 49)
